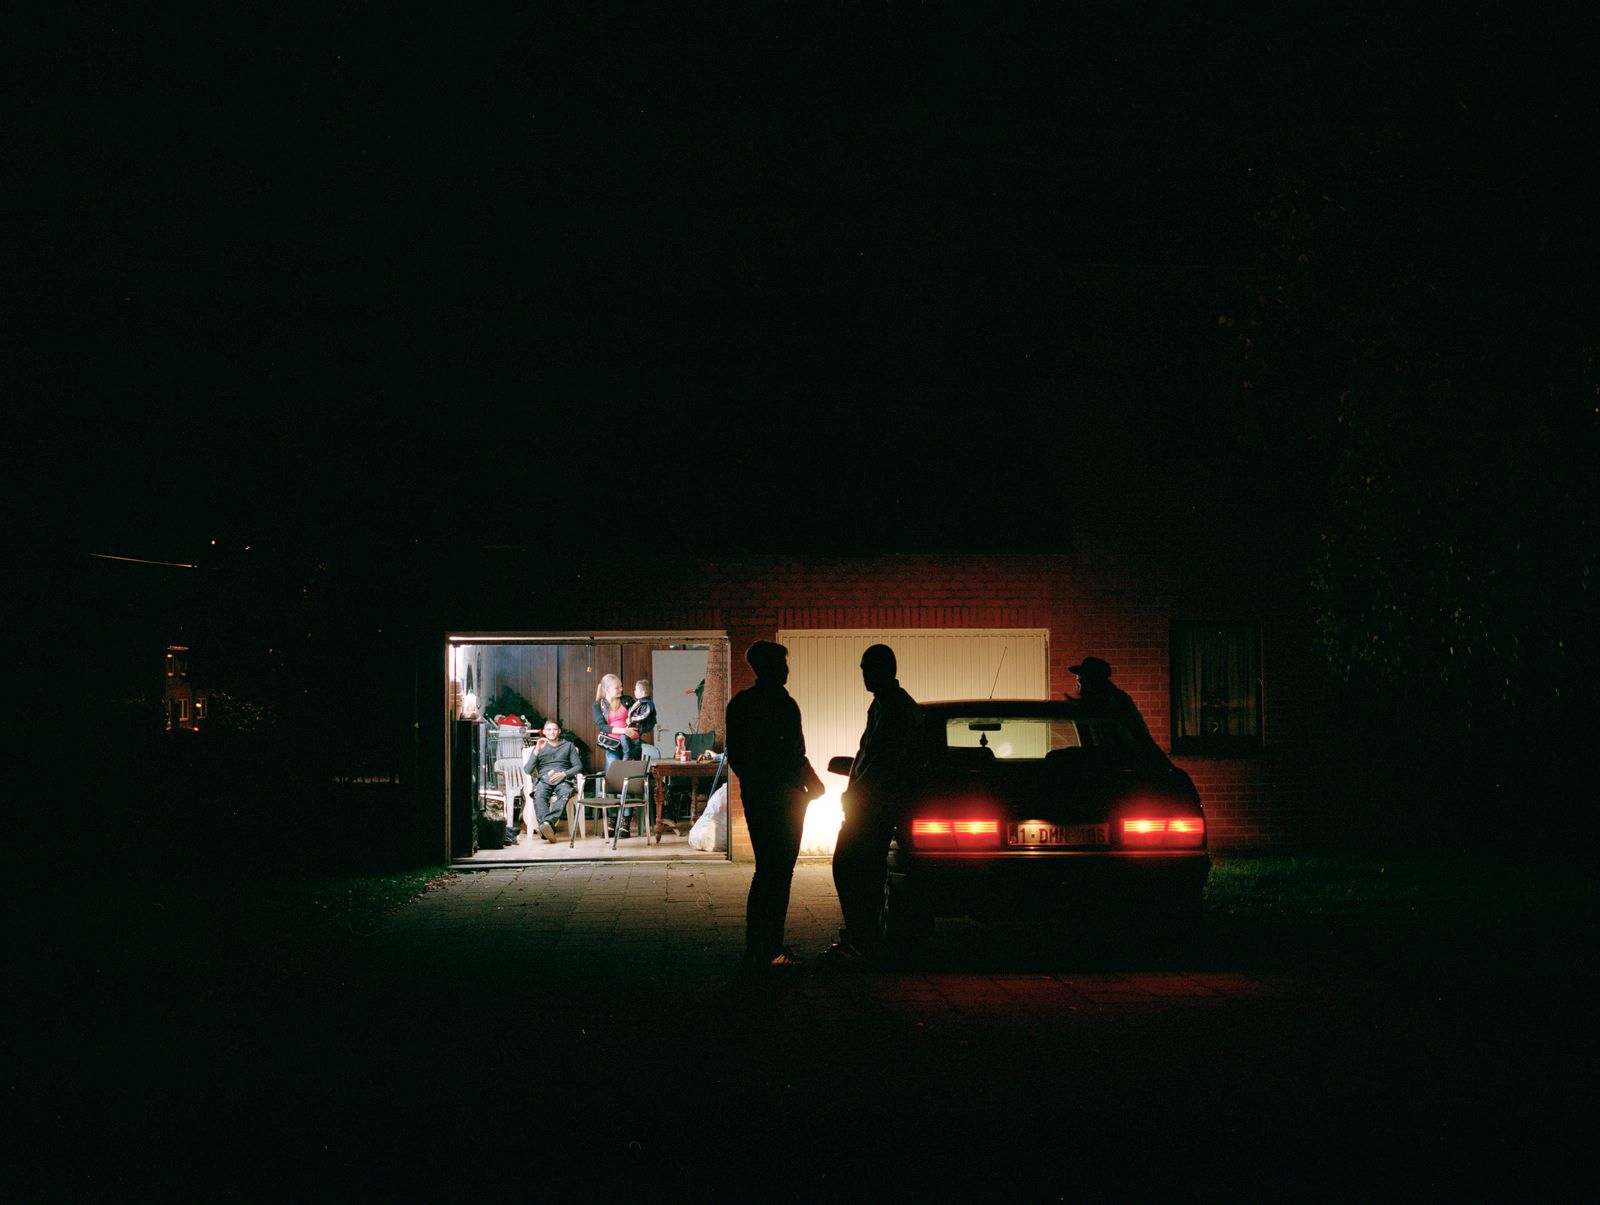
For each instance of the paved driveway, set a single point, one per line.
(582, 1029)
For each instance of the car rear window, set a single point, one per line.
(1032, 738)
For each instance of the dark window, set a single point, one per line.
(1216, 688)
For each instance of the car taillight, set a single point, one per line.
(1164, 832)
(936, 832)
(977, 834)
(1187, 826)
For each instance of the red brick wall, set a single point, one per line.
(1116, 600)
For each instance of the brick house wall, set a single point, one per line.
(1116, 601)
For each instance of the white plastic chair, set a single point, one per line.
(514, 782)
(509, 758)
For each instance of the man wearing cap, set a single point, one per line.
(1096, 691)
(767, 750)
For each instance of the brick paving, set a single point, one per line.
(683, 924)
(999, 1058)
(584, 1030)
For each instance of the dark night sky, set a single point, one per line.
(360, 270)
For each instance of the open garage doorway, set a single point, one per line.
(505, 687)
(934, 664)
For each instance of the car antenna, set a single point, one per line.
(996, 681)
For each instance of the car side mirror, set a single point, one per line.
(841, 765)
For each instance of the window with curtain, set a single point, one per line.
(1216, 688)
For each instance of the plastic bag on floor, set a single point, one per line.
(710, 832)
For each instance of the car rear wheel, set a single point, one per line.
(904, 920)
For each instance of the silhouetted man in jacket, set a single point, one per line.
(768, 752)
(890, 754)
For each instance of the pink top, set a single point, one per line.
(618, 719)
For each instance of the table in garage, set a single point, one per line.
(695, 771)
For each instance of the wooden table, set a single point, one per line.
(694, 770)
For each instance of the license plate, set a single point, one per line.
(1037, 832)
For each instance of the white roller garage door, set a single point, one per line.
(825, 680)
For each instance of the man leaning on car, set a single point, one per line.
(1097, 691)
(889, 754)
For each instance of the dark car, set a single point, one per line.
(1035, 808)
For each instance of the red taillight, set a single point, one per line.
(977, 834)
(1144, 832)
(939, 833)
(1175, 832)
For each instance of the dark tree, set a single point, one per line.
(1442, 409)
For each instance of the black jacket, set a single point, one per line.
(891, 752)
(562, 755)
(765, 746)
(599, 713)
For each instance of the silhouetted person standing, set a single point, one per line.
(768, 752)
(890, 754)
(1096, 691)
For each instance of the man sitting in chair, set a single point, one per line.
(553, 766)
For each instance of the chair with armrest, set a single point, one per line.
(510, 773)
(652, 754)
(626, 784)
(573, 814)
(514, 785)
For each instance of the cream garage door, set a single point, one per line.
(825, 680)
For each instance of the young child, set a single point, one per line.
(642, 722)
(642, 715)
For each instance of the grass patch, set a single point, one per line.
(1353, 885)
(142, 920)
(338, 906)
(1352, 909)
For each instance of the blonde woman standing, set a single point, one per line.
(615, 736)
